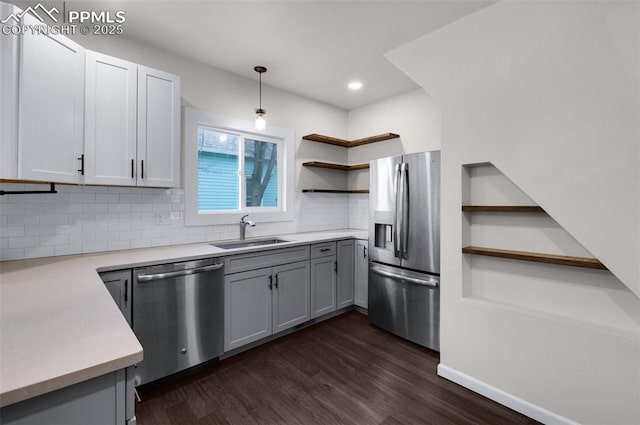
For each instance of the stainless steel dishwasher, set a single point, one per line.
(178, 316)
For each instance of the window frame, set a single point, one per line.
(193, 119)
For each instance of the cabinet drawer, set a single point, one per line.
(257, 260)
(323, 249)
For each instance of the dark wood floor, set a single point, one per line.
(341, 371)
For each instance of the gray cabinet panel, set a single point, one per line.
(247, 308)
(98, 401)
(290, 295)
(119, 285)
(323, 286)
(256, 260)
(361, 274)
(345, 273)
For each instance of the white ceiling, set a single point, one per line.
(311, 48)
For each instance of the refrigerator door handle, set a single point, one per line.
(404, 239)
(397, 214)
(430, 283)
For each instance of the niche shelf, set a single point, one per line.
(320, 138)
(565, 260)
(334, 191)
(503, 208)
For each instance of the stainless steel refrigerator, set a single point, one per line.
(404, 246)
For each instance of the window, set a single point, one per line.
(232, 169)
(236, 171)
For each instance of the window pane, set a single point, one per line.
(218, 164)
(261, 173)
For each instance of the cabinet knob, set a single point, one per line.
(183, 351)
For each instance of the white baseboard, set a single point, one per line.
(519, 405)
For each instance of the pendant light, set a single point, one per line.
(261, 123)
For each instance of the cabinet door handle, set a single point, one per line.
(325, 249)
(276, 284)
(126, 290)
(81, 169)
(365, 252)
(132, 168)
(271, 283)
(142, 169)
(335, 266)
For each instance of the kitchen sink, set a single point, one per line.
(247, 243)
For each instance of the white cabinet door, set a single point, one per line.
(247, 307)
(345, 273)
(290, 295)
(8, 100)
(323, 285)
(110, 120)
(51, 107)
(361, 274)
(158, 128)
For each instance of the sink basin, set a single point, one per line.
(247, 243)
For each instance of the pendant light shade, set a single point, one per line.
(261, 123)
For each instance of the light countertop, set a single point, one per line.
(59, 325)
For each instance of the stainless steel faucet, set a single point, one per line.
(243, 226)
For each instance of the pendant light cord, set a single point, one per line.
(260, 89)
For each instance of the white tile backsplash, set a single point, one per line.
(83, 219)
(359, 211)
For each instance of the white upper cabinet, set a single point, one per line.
(110, 120)
(51, 107)
(158, 128)
(76, 116)
(8, 100)
(132, 124)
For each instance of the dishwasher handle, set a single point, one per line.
(430, 283)
(179, 273)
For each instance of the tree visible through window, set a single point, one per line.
(236, 171)
(260, 160)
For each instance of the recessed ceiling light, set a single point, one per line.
(355, 85)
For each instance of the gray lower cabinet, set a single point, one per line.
(265, 301)
(291, 287)
(345, 273)
(323, 285)
(104, 400)
(247, 307)
(361, 265)
(119, 285)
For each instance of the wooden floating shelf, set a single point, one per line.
(503, 208)
(350, 143)
(333, 191)
(320, 164)
(591, 263)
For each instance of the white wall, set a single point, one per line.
(413, 115)
(548, 92)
